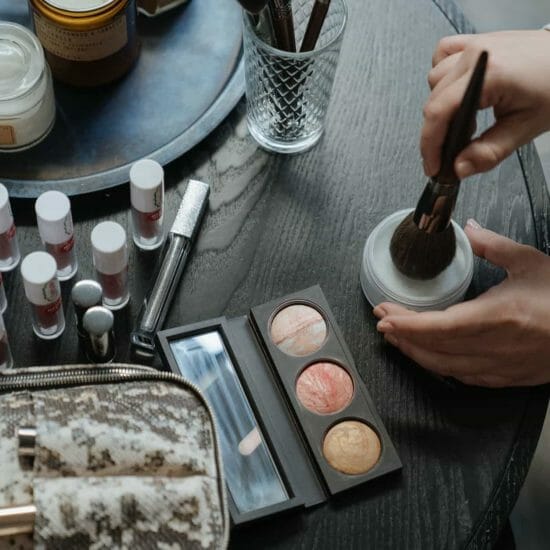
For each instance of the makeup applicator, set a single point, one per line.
(424, 243)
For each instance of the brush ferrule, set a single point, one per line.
(435, 207)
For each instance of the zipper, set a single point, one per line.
(83, 376)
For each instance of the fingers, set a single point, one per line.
(493, 146)
(438, 112)
(497, 249)
(389, 308)
(450, 45)
(442, 69)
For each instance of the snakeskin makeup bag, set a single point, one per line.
(109, 457)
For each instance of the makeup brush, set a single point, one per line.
(424, 243)
(283, 24)
(315, 24)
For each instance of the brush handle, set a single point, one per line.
(315, 24)
(437, 202)
(283, 24)
(460, 129)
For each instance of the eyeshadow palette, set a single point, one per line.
(295, 421)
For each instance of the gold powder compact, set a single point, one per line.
(87, 42)
(156, 7)
(27, 104)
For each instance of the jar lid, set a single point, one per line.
(53, 216)
(382, 282)
(109, 248)
(146, 185)
(21, 61)
(79, 6)
(38, 270)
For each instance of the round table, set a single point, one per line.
(277, 224)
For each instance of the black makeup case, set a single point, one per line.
(119, 456)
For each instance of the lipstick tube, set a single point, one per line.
(55, 225)
(6, 359)
(177, 248)
(98, 324)
(9, 248)
(147, 199)
(42, 290)
(110, 255)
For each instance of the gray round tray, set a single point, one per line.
(188, 78)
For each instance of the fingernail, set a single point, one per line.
(473, 224)
(391, 339)
(384, 326)
(464, 169)
(379, 312)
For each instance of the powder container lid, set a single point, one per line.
(147, 185)
(38, 270)
(98, 325)
(109, 248)
(53, 215)
(85, 294)
(6, 216)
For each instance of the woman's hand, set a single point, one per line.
(517, 86)
(501, 338)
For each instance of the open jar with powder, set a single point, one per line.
(27, 104)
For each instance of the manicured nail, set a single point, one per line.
(384, 326)
(391, 339)
(379, 312)
(473, 224)
(464, 169)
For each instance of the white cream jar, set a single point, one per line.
(27, 104)
(382, 282)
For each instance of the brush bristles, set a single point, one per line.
(421, 255)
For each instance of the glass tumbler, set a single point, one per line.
(288, 93)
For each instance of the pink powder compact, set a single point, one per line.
(297, 423)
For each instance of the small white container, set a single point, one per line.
(55, 225)
(27, 103)
(382, 282)
(110, 255)
(147, 199)
(39, 272)
(6, 359)
(9, 248)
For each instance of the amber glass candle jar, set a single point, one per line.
(87, 42)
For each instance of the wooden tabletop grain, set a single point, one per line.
(278, 224)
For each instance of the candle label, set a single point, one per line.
(7, 135)
(82, 45)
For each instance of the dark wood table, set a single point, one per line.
(278, 224)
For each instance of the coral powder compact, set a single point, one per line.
(295, 421)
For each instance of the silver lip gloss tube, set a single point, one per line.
(175, 253)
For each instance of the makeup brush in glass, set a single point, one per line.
(260, 18)
(424, 243)
(283, 24)
(315, 24)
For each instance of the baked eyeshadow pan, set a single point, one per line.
(295, 420)
(298, 329)
(324, 388)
